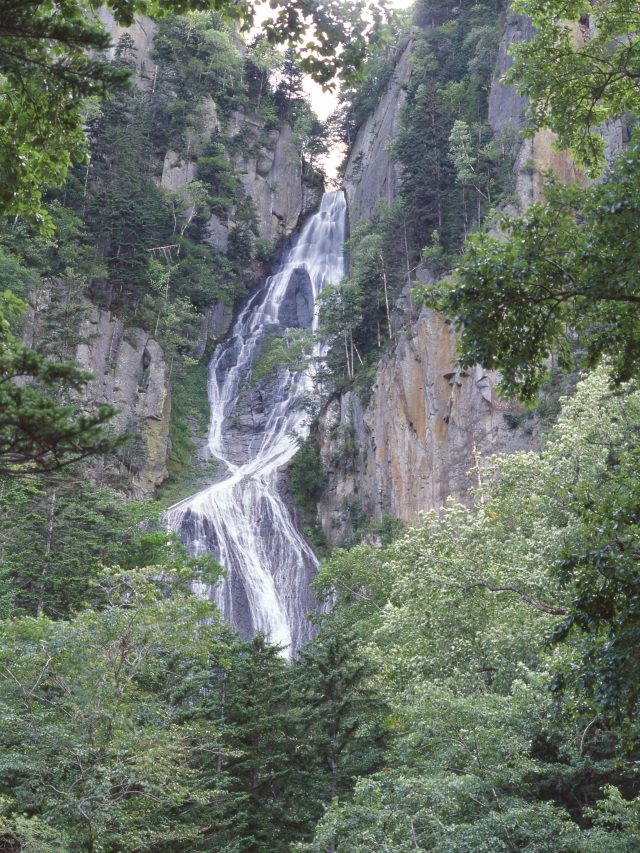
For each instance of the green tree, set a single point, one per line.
(289, 350)
(503, 633)
(343, 711)
(379, 255)
(464, 152)
(567, 267)
(90, 745)
(341, 307)
(57, 41)
(580, 69)
(305, 474)
(42, 124)
(246, 696)
(41, 432)
(58, 534)
(452, 64)
(263, 59)
(289, 91)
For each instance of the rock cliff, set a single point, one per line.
(536, 155)
(414, 443)
(269, 168)
(372, 173)
(130, 373)
(142, 32)
(128, 365)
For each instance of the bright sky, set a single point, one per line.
(324, 103)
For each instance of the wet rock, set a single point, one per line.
(296, 309)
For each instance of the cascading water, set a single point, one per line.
(243, 519)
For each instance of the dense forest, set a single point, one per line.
(473, 679)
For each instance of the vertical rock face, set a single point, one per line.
(129, 368)
(270, 171)
(176, 172)
(537, 155)
(142, 32)
(506, 109)
(506, 106)
(417, 437)
(272, 176)
(372, 173)
(130, 373)
(414, 443)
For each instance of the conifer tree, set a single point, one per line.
(343, 713)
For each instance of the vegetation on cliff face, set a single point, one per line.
(504, 634)
(475, 685)
(59, 43)
(568, 267)
(127, 245)
(454, 171)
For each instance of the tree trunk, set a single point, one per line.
(346, 353)
(386, 296)
(47, 554)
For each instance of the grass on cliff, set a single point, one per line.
(189, 420)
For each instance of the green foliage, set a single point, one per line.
(45, 74)
(124, 211)
(340, 315)
(330, 38)
(473, 616)
(41, 432)
(289, 90)
(579, 70)
(305, 474)
(57, 536)
(189, 419)
(150, 726)
(90, 740)
(199, 53)
(568, 266)
(419, 717)
(17, 280)
(344, 713)
(50, 66)
(355, 315)
(288, 350)
(453, 168)
(248, 703)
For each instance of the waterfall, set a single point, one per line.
(242, 519)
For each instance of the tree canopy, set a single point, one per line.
(567, 267)
(504, 635)
(51, 61)
(564, 274)
(580, 69)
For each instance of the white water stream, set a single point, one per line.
(243, 519)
